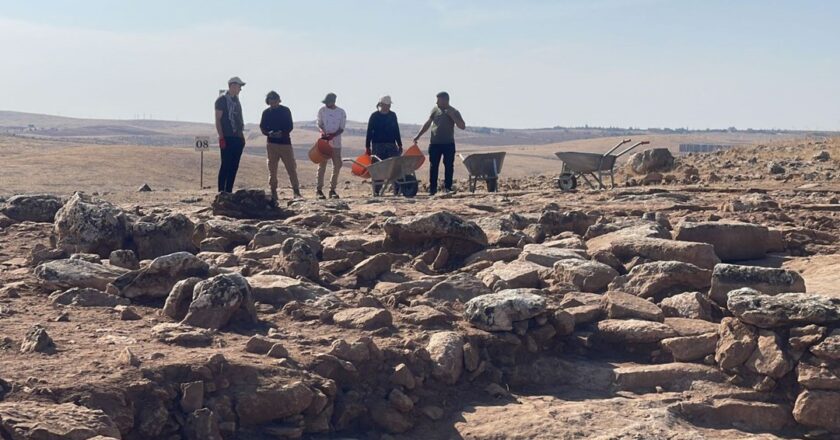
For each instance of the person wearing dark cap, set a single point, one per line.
(231, 130)
(383, 133)
(331, 121)
(276, 124)
(443, 120)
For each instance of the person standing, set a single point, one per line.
(231, 130)
(443, 120)
(276, 124)
(383, 134)
(331, 121)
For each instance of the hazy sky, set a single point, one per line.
(516, 64)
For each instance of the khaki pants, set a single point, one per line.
(322, 168)
(276, 153)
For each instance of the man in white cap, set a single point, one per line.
(383, 133)
(331, 121)
(231, 130)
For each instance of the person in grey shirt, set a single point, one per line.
(443, 120)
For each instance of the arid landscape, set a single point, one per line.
(698, 299)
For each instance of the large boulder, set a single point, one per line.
(733, 241)
(69, 273)
(694, 305)
(87, 297)
(278, 289)
(620, 305)
(659, 249)
(170, 234)
(769, 311)
(503, 232)
(818, 409)
(547, 256)
(32, 208)
(769, 281)
(297, 259)
(736, 343)
(53, 421)
(498, 311)
(247, 204)
(218, 300)
(85, 225)
(178, 302)
(447, 352)
(461, 237)
(273, 234)
(652, 160)
(829, 348)
(588, 276)
(157, 279)
(691, 348)
(513, 275)
(555, 222)
(661, 279)
(228, 234)
(769, 358)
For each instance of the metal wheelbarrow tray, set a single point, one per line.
(397, 171)
(597, 166)
(484, 166)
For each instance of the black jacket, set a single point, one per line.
(277, 119)
(383, 128)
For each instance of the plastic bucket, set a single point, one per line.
(414, 150)
(316, 156)
(357, 169)
(324, 147)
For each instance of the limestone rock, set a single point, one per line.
(651, 160)
(674, 376)
(52, 421)
(279, 289)
(217, 300)
(178, 301)
(124, 258)
(372, 267)
(87, 225)
(733, 241)
(157, 279)
(513, 275)
(459, 236)
(447, 352)
(180, 334)
(32, 208)
(36, 340)
(167, 235)
(692, 327)
(297, 259)
(694, 305)
(272, 401)
(691, 348)
(620, 305)
(588, 276)
(274, 234)
(740, 414)
(547, 256)
(87, 297)
(247, 203)
(769, 281)
(66, 274)
(829, 348)
(493, 255)
(458, 287)
(365, 318)
(737, 343)
(389, 419)
(814, 375)
(659, 249)
(632, 331)
(768, 311)
(498, 311)
(769, 358)
(818, 409)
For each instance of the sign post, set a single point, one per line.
(202, 144)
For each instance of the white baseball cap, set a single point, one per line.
(385, 100)
(236, 80)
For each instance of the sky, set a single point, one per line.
(511, 64)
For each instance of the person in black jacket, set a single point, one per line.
(276, 124)
(383, 133)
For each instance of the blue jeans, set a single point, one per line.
(230, 162)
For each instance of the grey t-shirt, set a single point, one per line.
(443, 127)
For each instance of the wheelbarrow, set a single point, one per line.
(597, 166)
(395, 171)
(484, 166)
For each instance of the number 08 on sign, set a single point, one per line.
(202, 144)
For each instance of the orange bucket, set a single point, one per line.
(414, 150)
(357, 169)
(316, 156)
(325, 147)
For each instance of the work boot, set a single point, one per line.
(273, 195)
(320, 195)
(297, 194)
(333, 194)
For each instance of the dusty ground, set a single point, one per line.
(91, 340)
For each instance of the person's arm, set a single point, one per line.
(290, 123)
(320, 121)
(341, 124)
(369, 135)
(423, 129)
(455, 115)
(397, 128)
(264, 124)
(219, 131)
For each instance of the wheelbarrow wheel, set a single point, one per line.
(409, 186)
(492, 184)
(567, 182)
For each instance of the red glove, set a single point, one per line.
(222, 143)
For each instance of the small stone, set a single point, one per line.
(402, 376)
(127, 313)
(365, 318)
(62, 317)
(258, 345)
(472, 357)
(400, 401)
(496, 390)
(192, 396)
(37, 340)
(128, 358)
(277, 351)
(432, 412)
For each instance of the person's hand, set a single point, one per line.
(416, 138)
(222, 143)
(399, 148)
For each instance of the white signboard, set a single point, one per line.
(202, 143)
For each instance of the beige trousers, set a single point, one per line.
(322, 168)
(276, 153)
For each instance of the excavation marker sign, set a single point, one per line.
(202, 144)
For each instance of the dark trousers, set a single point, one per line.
(230, 162)
(447, 152)
(383, 151)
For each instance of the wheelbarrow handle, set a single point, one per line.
(616, 147)
(461, 155)
(353, 161)
(632, 147)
